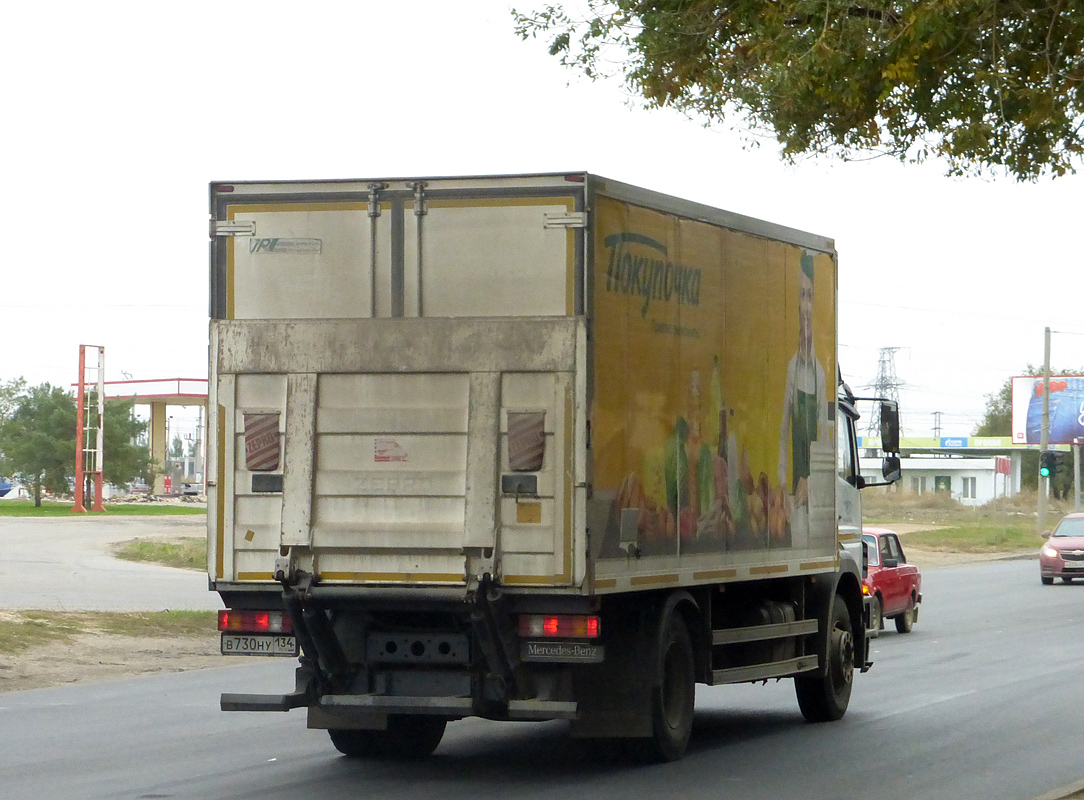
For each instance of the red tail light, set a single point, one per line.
(243, 621)
(561, 626)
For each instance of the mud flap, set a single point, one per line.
(614, 697)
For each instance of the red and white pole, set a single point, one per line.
(80, 408)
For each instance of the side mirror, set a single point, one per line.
(890, 469)
(890, 426)
(890, 563)
(1045, 534)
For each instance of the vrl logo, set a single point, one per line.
(262, 245)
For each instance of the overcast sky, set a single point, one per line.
(118, 115)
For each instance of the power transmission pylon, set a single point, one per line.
(887, 386)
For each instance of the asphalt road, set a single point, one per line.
(64, 564)
(978, 702)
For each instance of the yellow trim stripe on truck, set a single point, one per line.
(255, 576)
(220, 494)
(393, 577)
(230, 244)
(366, 577)
(715, 574)
(769, 569)
(570, 272)
(651, 580)
(570, 472)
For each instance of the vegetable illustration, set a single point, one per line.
(677, 468)
(655, 477)
(705, 475)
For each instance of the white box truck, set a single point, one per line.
(525, 448)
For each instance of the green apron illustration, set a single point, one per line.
(803, 432)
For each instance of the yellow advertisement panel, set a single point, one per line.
(714, 403)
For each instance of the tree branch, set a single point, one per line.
(854, 11)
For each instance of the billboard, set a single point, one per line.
(1066, 409)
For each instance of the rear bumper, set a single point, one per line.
(368, 704)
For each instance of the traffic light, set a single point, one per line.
(1048, 463)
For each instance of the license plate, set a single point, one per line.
(1074, 564)
(240, 644)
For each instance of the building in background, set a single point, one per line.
(973, 469)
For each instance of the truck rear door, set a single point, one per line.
(386, 418)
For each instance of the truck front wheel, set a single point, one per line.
(824, 697)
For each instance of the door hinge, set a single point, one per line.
(565, 219)
(233, 227)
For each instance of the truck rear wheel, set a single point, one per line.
(407, 736)
(410, 736)
(674, 698)
(355, 744)
(824, 698)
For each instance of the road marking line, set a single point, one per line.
(932, 702)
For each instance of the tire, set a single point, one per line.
(355, 744)
(673, 700)
(406, 737)
(410, 736)
(1047, 581)
(824, 698)
(906, 620)
(876, 614)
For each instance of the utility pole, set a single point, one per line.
(1044, 436)
(937, 424)
(1076, 474)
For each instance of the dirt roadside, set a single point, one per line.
(94, 657)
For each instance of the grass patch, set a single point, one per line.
(187, 553)
(25, 508)
(21, 630)
(980, 536)
(157, 624)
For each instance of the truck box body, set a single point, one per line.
(526, 447)
(635, 345)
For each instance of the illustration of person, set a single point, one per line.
(805, 409)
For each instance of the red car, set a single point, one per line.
(1062, 556)
(894, 585)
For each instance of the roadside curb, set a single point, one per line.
(1063, 792)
